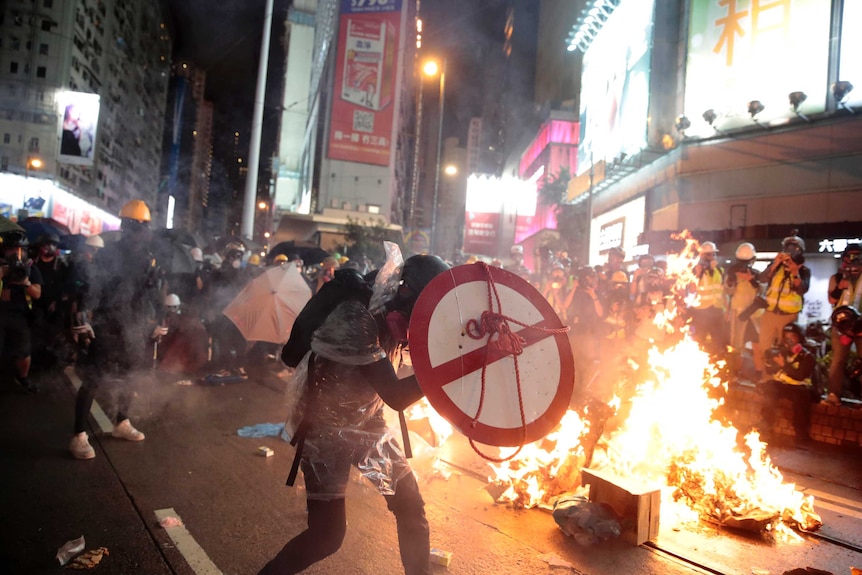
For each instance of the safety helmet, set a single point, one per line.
(14, 239)
(517, 250)
(44, 239)
(419, 270)
(795, 328)
(280, 259)
(135, 210)
(844, 318)
(707, 248)
(197, 254)
(745, 252)
(793, 239)
(95, 242)
(172, 300)
(254, 260)
(852, 254)
(619, 277)
(329, 262)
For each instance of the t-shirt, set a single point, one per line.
(14, 297)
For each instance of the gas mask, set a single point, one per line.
(791, 345)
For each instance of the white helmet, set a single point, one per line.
(172, 300)
(95, 242)
(745, 252)
(517, 250)
(708, 248)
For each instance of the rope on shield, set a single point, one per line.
(495, 322)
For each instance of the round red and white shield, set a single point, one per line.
(449, 363)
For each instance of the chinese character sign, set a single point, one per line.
(481, 231)
(745, 50)
(365, 81)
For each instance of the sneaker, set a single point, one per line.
(124, 430)
(832, 400)
(80, 446)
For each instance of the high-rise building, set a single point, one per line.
(106, 64)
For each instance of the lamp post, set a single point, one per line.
(430, 69)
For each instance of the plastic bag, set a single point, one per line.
(388, 278)
(584, 520)
(70, 549)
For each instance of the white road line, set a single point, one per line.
(196, 557)
(96, 410)
(823, 496)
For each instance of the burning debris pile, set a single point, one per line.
(663, 427)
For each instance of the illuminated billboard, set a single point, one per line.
(740, 51)
(850, 69)
(365, 83)
(79, 119)
(615, 86)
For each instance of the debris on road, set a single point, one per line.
(440, 557)
(171, 522)
(554, 560)
(70, 549)
(89, 559)
(265, 451)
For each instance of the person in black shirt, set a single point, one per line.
(22, 284)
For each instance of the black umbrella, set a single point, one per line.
(179, 236)
(309, 253)
(7, 225)
(35, 227)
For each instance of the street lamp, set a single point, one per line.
(450, 170)
(431, 68)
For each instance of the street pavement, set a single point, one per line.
(237, 512)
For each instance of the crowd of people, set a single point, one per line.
(110, 309)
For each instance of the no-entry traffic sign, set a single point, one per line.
(449, 362)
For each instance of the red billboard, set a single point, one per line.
(481, 233)
(365, 83)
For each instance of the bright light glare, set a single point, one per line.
(430, 68)
(262, 205)
(450, 170)
(36, 163)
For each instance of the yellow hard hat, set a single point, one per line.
(280, 259)
(254, 260)
(136, 210)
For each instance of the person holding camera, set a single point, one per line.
(845, 289)
(791, 367)
(707, 314)
(742, 286)
(22, 284)
(787, 279)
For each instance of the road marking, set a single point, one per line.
(194, 555)
(820, 496)
(96, 410)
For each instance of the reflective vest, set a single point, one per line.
(780, 295)
(710, 290)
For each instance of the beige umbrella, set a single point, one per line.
(267, 307)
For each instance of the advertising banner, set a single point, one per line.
(615, 86)
(740, 51)
(365, 81)
(79, 119)
(79, 216)
(850, 69)
(481, 233)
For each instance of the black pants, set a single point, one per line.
(327, 525)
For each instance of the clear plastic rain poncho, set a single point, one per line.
(347, 426)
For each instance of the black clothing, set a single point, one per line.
(793, 382)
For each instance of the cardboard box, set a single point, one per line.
(639, 505)
(265, 451)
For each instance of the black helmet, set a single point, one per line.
(420, 269)
(795, 328)
(14, 239)
(793, 239)
(844, 319)
(44, 239)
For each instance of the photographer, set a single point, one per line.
(707, 314)
(22, 283)
(787, 279)
(742, 285)
(793, 367)
(845, 289)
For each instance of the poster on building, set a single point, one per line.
(744, 52)
(615, 86)
(79, 118)
(363, 100)
(481, 233)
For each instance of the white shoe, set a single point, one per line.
(80, 446)
(124, 430)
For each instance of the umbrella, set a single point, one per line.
(7, 225)
(309, 253)
(267, 307)
(35, 227)
(179, 236)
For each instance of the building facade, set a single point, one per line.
(82, 85)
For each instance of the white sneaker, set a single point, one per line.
(124, 430)
(80, 446)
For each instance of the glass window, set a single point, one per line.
(7, 138)
(46, 25)
(43, 49)
(41, 71)
(13, 67)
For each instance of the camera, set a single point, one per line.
(758, 303)
(769, 363)
(16, 272)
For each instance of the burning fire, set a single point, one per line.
(663, 429)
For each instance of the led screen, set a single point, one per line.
(79, 119)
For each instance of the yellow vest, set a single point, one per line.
(710, 290)
(780, 294)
